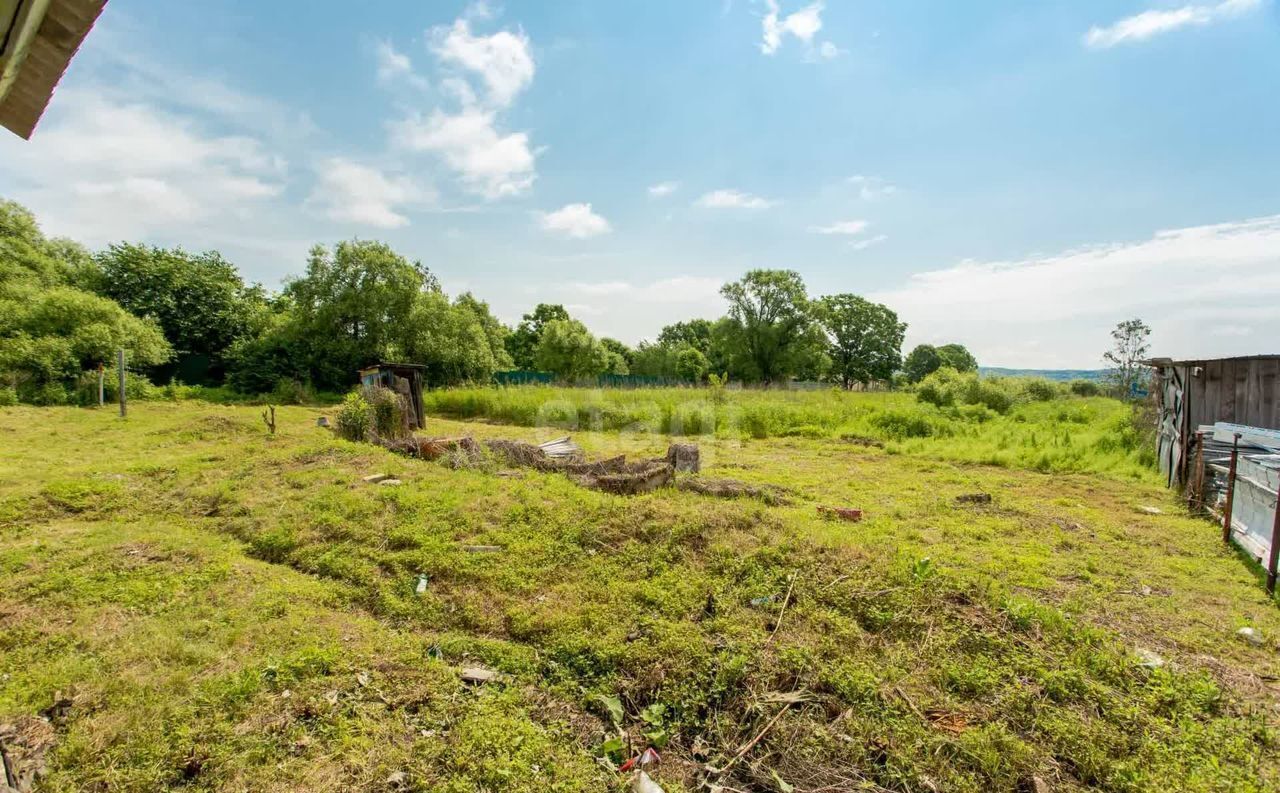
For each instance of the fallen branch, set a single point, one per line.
(785, 600)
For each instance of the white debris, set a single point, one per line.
(1151, 510)
(391, 482)
(643, 783)
(1251, 635)
(1150, 658)
(375, 478)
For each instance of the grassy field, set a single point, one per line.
(1060, 435)
(195, 604)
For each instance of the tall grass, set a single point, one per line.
(1061, 434)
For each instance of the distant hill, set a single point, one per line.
(1048, 374)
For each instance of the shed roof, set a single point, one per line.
(1201, 361)
(38, 39)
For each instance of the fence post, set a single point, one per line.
(1231, 488)
(119, 363)
(1275, 551)
(102, 374)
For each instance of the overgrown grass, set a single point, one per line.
(230, 610)
(1060, 434)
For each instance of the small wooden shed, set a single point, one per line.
(1193, 393)
(404, 378)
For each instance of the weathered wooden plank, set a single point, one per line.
(1241, 389)
(1227, 392)
(1212, 410)
(1253, 393)
(1268, 404)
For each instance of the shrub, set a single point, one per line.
(1038, 389)
(388, 414)
(900, 424)
(355, 417)
(8, 396)
(994, 394)
(1085, 388)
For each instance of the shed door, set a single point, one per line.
(1172, 401)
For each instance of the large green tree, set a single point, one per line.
(864, 339)
(568, 349)
(198, 299)
(770, 333)
(449, 339)
(694, 332)
(354, 307)
(51, 330)
(921, 362)
(523, 341)
(958, 357)
(496, 333)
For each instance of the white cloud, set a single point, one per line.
(871, 188)
(501, 60)
(1057, 310)
(679, 289)
(490, 163)
(394, 66)
(350, 192)
(847, 227)
(488, 160)
(663, 189)
(732, 199)
(1147, 24)
(862, 245)
(803, 25)
(575, 221)
(103, 167)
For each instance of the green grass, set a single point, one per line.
(1061, 435)
(231, 610)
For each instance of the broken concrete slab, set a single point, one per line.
(478, 675)
(374, 479)
(1150, 510)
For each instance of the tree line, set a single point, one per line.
(190, 316)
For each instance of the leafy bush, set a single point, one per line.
(1086, 388)
(388, 412)
(1038, 389)
(355, 417)
(900, 424)
(947, 387)
(8, 396)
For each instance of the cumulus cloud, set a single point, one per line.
(488, 162)
(1155, 22)
(105, 167)
(395, 66)
(575, 221)
(468, 137)
(501, 60)
(846, 227)
(732, 199)
(803, 25)
(350, 192)
(663, 189)
(1057, 310)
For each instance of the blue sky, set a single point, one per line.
(1014, 176)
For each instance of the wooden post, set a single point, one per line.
(1275, 551)
(1231, 488)
(119, 363)
(102, 376)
